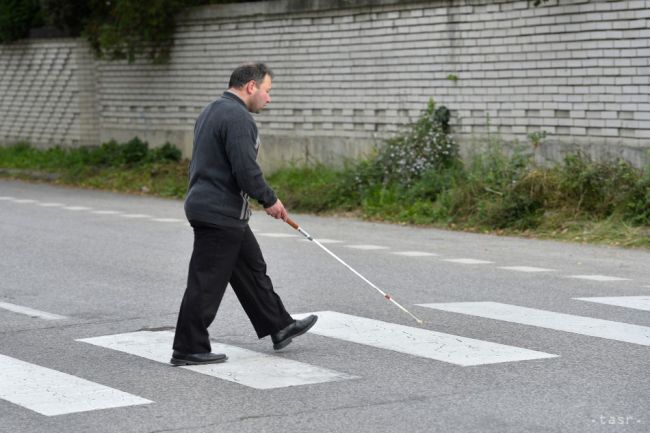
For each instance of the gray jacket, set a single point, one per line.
(224, 171)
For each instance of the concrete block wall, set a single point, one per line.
(349, 74)
(46, 91)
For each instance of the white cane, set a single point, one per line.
(386, 295)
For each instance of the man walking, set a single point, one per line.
(223, 174)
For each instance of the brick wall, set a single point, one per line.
(46, 93)
(346, 78)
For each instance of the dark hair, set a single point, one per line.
(251, 71)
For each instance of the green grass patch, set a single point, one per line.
(577, 200)
(127, 167)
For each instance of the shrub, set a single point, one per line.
(636, 208)
(134, 151)
(108, 154)
(166, 152)
(596, 188)
(424, 145)
(435, 181)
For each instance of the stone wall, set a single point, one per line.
(47, 93)
(349, 73)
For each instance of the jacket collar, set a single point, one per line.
(230, 95)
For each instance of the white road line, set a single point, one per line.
(23, 200)
(417, 341)
(135, 215)
(324, 241)
(76, 208)
(598, 278)
(7, 197)
(414, 253)
(106, 212)
(246, 367)
(526, 269)
(50, 204)
(167, 220)
(550, 320)
(30, 312)
(636, 302)
(50, 392)
(277, 235)
(468, 261)
(367, 247)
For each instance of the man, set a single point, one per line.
(223, 174)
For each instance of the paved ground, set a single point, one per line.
(91, 283)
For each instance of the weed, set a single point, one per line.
(577, 199)
(424, 145)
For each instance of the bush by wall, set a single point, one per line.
(490, 191)
(578, 199)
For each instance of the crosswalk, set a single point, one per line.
(608, 329)
(246, 367)
(439, 346)
(635, 302)
(50, 392)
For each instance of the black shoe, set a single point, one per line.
(284, 336)
(179, 358)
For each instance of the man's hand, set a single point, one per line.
(277, 211)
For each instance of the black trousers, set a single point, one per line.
(225, 255)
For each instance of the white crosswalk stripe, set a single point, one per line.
(135, 215)
(618, 331)
(414, 253)
(526, 269)
(598, 278)
(106, 212)
(323, 241)
(245, 367)
(30, 311)
(77, 208)
(636, 302)
(50, 392)
(468, 261)
(277, 235)
(417, 341)
(367, 247)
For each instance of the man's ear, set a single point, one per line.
(251, 87)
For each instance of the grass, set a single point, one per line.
(130, 167)
(577, 200)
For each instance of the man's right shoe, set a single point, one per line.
(179, 358)
(284, 336)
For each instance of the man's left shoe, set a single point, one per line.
(179, 358)
(284, 336)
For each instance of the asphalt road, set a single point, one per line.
(531, 357)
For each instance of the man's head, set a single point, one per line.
(252, 83)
